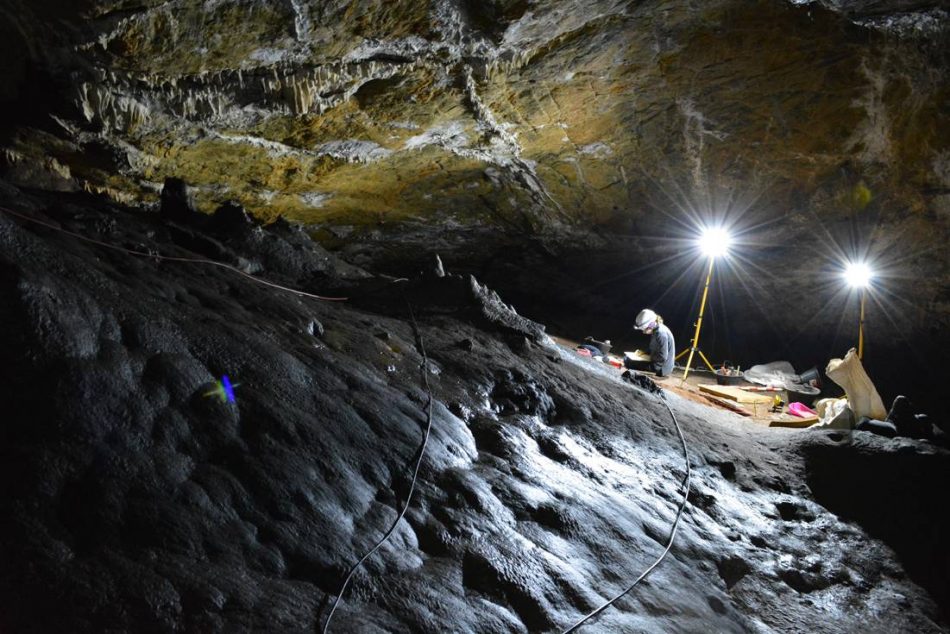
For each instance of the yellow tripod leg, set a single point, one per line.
(706, 361)
(688, 364)
(699, 324)
(864, 293)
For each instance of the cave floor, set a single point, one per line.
(690, 389)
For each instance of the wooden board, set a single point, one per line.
(736, 394)
(735, 407)
(787, 420)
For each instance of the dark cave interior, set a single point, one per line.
(242, 393)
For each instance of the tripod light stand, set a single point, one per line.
(713, 243)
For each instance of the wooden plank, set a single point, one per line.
(787, 420)
(736, 394)
(735, 407)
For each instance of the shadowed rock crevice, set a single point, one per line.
(885, 486)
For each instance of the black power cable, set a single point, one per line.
(676, 522)
(415, 474)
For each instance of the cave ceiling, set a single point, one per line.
(386, 125)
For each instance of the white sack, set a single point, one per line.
(862, 397)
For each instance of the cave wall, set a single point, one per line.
(134, 500)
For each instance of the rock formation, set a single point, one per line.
(134, 502)
(598, 134)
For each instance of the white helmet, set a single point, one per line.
(644, 319)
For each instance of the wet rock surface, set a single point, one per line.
(132, 501)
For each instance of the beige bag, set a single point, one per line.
(862, 396)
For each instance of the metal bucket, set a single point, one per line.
(810, 377)
(733, 378)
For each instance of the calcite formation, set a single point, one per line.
(579, 107)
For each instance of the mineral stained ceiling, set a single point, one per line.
(542, 112)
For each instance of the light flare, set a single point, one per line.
(714, 242)
(858, 274)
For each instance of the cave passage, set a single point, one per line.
(452, 316)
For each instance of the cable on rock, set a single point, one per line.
(428, 407)
(676, 522)
(415, 473)
(415, 328)
(169, 258)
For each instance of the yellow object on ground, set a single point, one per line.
(862, 396)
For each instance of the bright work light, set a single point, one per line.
(858, 274)
(714, 242)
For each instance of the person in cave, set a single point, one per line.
(662, 345)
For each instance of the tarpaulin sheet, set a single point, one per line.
(779, 374)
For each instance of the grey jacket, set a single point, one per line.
(662, 350)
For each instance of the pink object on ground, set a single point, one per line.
(801, 410)
(584, 352)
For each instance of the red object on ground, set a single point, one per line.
(615, 362)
